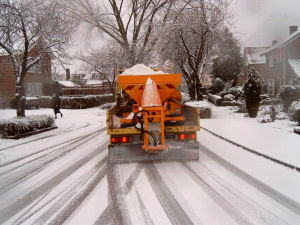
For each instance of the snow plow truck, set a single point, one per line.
(149, 121)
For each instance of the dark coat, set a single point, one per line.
(56, 103)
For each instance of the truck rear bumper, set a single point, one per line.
(135, 153)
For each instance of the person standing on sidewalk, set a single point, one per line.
(56, 105)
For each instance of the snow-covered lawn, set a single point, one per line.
(276, 140)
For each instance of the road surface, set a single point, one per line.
(63, 177)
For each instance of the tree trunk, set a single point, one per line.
(20, 100)
(192, 92)
(198, 90)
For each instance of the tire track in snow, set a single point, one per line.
(267, 190)
(71, 141)
(252, 207)
(43, 164)
(64, 131)
(17, 206)
(117, 195)
(172, 208)
(108, 216)
(145, 213)
(61, 198)
(79, 198)
(233, 212)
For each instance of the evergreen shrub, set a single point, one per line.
(252, 90)
(288, 94)
(294, 111)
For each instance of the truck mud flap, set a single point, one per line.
(135, 153)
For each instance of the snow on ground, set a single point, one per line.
(62, 176)
(273, 139)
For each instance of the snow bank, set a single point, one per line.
(141, 69)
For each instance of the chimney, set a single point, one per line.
(68, 75)
(293, 29)
(274, 42)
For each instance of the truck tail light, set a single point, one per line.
(124, 139)
(183, 137)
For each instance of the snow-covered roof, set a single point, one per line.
(283, 43)
(94, 82)
(68, 83)
(295, 65)
(254, 55)
(140, 69)
(87, 77)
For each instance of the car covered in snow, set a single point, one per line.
(32, 102)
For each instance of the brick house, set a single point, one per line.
(252, 58)
(37, 81)
(283, 60)
(207, 80)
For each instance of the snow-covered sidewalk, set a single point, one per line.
(275, 140)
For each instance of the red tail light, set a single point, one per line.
(124, 139)
(183, 137)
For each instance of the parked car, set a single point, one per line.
(32, 102)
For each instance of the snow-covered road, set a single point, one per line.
(62, 177)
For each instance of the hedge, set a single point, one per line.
(77, 102)
(18, 126)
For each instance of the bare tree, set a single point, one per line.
(128, 22)
(28, 24)
(190, 36)
(103, 61)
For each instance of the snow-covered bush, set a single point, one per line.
(216, 99)
(288, 94)
(218, 86)
(252, 90)
(236, 91)
(228, 97)
(20, 125)
(78, 102)
(294, 111)
(185, 97)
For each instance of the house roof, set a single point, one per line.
(295, 65)
(94, 82)
(68, 83)
(283, 43)
(254, 55)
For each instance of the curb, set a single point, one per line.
(253, 151)
(29, 133)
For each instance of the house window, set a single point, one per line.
(34, 89)
(36, 68)
(277, 84)
(270, 87)
(271, 62)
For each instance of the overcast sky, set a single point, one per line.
(258, 22)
